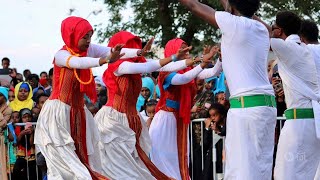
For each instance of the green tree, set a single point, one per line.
(166, 19)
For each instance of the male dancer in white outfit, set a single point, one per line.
(298, 152)
(252, 116)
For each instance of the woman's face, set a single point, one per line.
(26, 118)
(145, 93)
(183, 46)
(84, 42)
(214, 115)
(23, 94)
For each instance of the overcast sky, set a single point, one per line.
(30, 29)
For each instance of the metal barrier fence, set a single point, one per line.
(215, 139)
(26, 153)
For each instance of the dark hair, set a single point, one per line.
(51, 72)
(6, 59)
(43, 72)
(31, 76)
(219, 108)
(289, 22)
(246, 7)
(151, 102)
(39, 96)
(309, 30)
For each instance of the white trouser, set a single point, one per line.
(298, 154)
(250, 143)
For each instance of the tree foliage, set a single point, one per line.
(166, 19)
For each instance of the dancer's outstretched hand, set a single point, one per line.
(147, 47)
(116, 53)
(207, 58)
(181, 54)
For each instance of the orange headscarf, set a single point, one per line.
(72, 30)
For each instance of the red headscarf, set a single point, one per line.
(130, 41)
(72, 30)
(187, 91)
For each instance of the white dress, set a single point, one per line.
(53, 133)
(163, 129)
(119, 155)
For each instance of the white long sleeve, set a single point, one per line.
(211, 72)
(137, 68)
(172, 66)
(75, 62)
(180, 79)
(96, 51)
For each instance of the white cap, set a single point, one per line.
(98, 80)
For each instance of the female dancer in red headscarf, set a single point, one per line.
(66, 133)
(169, 127)
(125, 142)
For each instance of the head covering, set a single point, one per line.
(187, 91)
(220, 85)
(98, 80)
(24, 86)
(72, 30)
(130, 41)
(16, 104)
(147, 82)
(25, 111)
(5, 92)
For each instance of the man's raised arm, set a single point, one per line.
(201, 10)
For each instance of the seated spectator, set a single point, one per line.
(23, 98)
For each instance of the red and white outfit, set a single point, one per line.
(66, 134)
(169, 127)
(125, 142)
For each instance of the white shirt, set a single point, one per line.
(315, 49)
(245, 47)
(295, 58)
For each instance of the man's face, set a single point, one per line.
(33, 83)
(276, 31)
(44, 76)
(5, 64)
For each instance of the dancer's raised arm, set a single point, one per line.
(203, 11)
